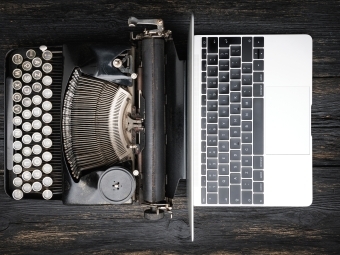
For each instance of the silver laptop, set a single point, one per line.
(249, 121)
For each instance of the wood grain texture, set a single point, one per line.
(40, 227)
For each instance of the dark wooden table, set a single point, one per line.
(40, 227)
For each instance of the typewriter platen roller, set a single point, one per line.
(97, 123)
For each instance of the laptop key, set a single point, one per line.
(246, 114)
(247, 184)
(258, 90)
(203, 112)
(235, 62)
(212, 45)
(247, 48)
(212, 198)
(258, 41)
(258, 175)
(223, 146)
(212, 83)
(235, 85)
(235, 194)
(204, 76)
(224, 65)
(223, 157)
(212, 71)
(235, 166)
(212, 152)
(203, 158)
(223, 134)
(223, 111)
(258, 198)
(212, 187)
(211, 129)
(247, 197)
(212, 163)
(223, 181)
(258, 162)
(235, 178)
(235, 97)
(203, 169)
(247, 79)
(203, 146)
(204, 65)
(204, 53)
(261, 53)
(246, 149)
(212, 117)
(204, 100)
(223, 88)
(204, 42)
(223, 77)
(223, 100)
(258, 126)
(258, 65)
(258, 187)
(203, 195)
(212, 140)
(235, 155)
(223, 169)
(258, 76)
(223, 195)
(235, 109)
(246, 161)
(224, 54)
(235, 120)
(203, 181)
(223, 123)
(203, 135)
(247, 68)
(235, 143)
(212, 59)
(212, 94)
(203, 123)
(246, 172)
(235, 132)
(247, 103)
(247, 138)
(226, 41)
(235, 74)
(247, 125)
(247, 91)
(256, 54)
(212, 106)
(235, 50)
(204, 88)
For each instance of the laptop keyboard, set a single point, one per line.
(232, 120)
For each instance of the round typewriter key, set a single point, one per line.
(37, 74)
(36, 87)
(26, 126)
(26, 151)
(47, 80)
(17, 181)
(47, 105)
(47, 93)
(36, 186)
(36, 149)
(26, 114)
(17, 169)
(17, 85)
(30, 54)
(47, 156)
(26, 102)
(17, 158)
(17, 145)
(47, 130)
(37, 62)
(36, 161)
(36, 112)
(26, 90)
(26, 139)
(36, 124)
(17, 194)
(17, 121)
(47, 118)
(47, 67)
(17, 133)
(17, 73)
(16, 97)
(36, 100)
(27, 188)
(17, 59)
(36, 137)
(47, 194)
(26, 163)
(47, 168)
(27, 66)
(47, 143)
(47, 181)
(36, 174)
(26, 176)
(17, 109)
(27, 78)
(47, 55)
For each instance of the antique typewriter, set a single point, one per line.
(97, 123)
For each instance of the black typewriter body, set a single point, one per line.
(97, 123)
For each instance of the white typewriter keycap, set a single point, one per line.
(26, 102)
(17, 109)
(47, 143)
(27, 78)
(47, 168)
(27, 188)
(17, 73)
(47, 181)
(17, 59)
(36, 174)
(37, 62)
(36, 87)
(47, 55)
(47, 93)
(17, 169)
(36, 161)
(36, 149)
(47, 80)
(26, 114)
(26, 151)
(26, 126)
(26, 163)
(36, 124)
(17, 194)
(47, 105)
(47, 156)
(36, 100)
(26, 90)
(30, 54)
(47, 194)
(17, 133)
(36, 111)
(17, 121)
(26, 139)
(26, 176)
(27, 66)
(17, 85)
(36, 186)
(17, 157)
(17, 181)
(37, 74)
(16, 97)
(36, 137)
(47, 130)
(42, 48)
(17, 145)
(47, 118)
(47, 67)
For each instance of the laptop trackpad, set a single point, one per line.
(287, 120)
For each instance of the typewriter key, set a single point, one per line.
(47, 80)
(26, 90)
(47, 55)
(47, 143)
(36, 124)
(36, 87)
(36, 174)
(26, 151)
(36, 100)
(47, 130)
(36, 112)
(17, 59)
(17, 73)
(17, 133)
(36, 186)
(26, 176)
(17, 157)
(17, 145)
(17, 194)
(17, 121)
(36, 149)
(26, 163)
(26, 139)
(37, 62)
(26, 102)
(47, 93)
(27, 66)
(17, 85)
(17, 181)
(26, 126)
(37, 74)
(27, 188)
(26, 114)
(47, 156)
(47, 194)
(47, 168)
(47, 105)
(17, 109)
(36, 137)
(47, 181)
(16, 97)
(36, 161)
(27, 78)
(47, 118)
(30, 54)
(47, 67)
(17, 169)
